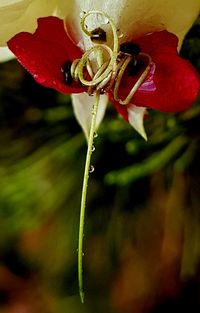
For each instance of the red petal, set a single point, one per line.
(121, 109)
(44, 53)
(177, 82)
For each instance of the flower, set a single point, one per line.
(170, 84)
(124, 49)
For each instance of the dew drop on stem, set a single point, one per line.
(91, 169)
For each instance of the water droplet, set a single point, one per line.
(93, 148)
(83, 254)
(40, 79)
(82, 14)
(91, 169)
(95, 135)
(54, 82)
(102, 20)
(121, 35)
(105, 21)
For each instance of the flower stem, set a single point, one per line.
(84, 196)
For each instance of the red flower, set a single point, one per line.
(174, 82)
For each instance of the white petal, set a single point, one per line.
(83, 104)
(5, 54)
(21, 15)
(135, 17)
(136, 119)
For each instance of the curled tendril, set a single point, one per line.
(100, 68)
(110, 65)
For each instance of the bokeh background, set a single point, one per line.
(142, 232)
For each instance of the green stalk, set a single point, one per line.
(84, 197)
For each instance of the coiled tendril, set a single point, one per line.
(110, 64)
(101, 69)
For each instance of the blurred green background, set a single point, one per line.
(142, 232)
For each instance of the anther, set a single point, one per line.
(130, 48)
(135, 66)
(66, 69)
(98, 35)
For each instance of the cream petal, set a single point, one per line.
(64, 8)
(21, 15)
(5, 54)
(177, 16)
(135, 17)
(136, 119)
(83, 104)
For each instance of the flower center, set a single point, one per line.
(102, 68)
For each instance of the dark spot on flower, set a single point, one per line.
(102, 92)
(135, 66)
(130, 48)
(66, 69)
(98, 34)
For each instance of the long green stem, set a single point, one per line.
(84, 196)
